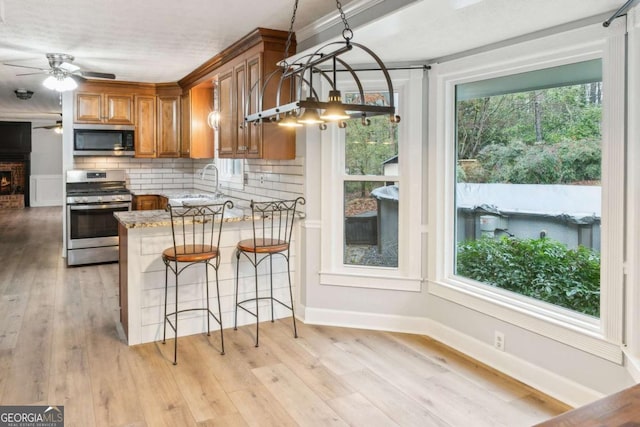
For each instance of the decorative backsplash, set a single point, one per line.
(264, 179)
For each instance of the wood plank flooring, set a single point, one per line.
(59, 345)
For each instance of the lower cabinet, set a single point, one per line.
(149, 202)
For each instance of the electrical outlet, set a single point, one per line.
(261, 179)
(498, 340)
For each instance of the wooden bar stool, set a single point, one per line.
(272, 229)
(196, 233)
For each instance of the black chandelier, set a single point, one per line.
(325, 63)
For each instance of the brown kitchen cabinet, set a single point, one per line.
(148, 202)
(157, 126)
(197, 136)
(234, 71)
(234, 85)
(168, 126)
(104, 108)
(146, 126)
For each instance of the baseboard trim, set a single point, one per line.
(550, 383)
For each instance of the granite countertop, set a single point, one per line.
(161, 218)
(241, 210)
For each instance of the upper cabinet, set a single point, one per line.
(197, 136)
(104, 108)
(238, 74)
(154, 110)
(168, 115)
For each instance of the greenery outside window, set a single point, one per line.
(537, 133)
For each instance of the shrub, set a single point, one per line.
(543, 269)
(564, 162)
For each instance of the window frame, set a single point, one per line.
(601, 337)
(228, 179)
(407, 276)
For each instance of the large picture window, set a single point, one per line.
(528, 184)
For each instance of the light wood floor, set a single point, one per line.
(59, 345)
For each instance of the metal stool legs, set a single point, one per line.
(174, 324)
(257, 298)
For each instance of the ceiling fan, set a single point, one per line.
(57, 128)
(63, 75)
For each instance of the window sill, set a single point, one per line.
(372, 281)
(575, 331)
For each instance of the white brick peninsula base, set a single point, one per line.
(143, 237)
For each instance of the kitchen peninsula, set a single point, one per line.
(143, 237)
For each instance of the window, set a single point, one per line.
(371, 205)
(231, 173)
(557, 131)
(369, 234)
(528, 175)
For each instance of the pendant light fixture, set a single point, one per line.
(296, 81)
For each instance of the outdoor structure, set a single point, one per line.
(566, 213)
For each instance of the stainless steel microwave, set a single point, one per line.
(103, 140)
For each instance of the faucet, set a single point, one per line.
(215, 168)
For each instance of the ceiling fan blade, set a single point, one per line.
(31, 74)
(78, 78)
(57, 125)
(24, 66)
(71, 68)
(97, 75)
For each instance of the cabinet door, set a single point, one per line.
(145, 137)
(240, 86)
(168, 126)
(119, 109)
(146, 203)
(185, 113)
(88, 108)
(202, 137)
(253, 134)
(226, 127)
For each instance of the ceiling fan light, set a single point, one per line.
(60, 84)
(50, 83)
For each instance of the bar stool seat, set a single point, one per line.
(272, 230)
(196, 231)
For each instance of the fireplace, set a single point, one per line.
(5, 182)
(15, 164)
(14, 185)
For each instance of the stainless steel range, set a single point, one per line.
(92, 230)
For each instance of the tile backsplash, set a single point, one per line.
(264, 179)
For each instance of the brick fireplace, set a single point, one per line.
(14, 182)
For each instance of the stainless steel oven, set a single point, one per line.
(92, 230)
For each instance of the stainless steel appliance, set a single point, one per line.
(92, 230)
(103, 140)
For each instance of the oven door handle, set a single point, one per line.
(103, 206)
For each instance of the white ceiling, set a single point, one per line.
(162, 41)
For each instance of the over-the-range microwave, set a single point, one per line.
(103, 140)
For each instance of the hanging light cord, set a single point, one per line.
(287, 45)
(347, 34)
